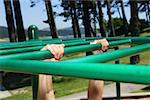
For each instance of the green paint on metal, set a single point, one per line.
(36, 48)
(35, 86)
(46, 54)
(111, 72)
(135, 40)
(113, 55)
(33, 32)
(38, 43)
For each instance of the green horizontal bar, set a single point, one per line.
(112, 72)
(46, 54)
(38, 43)
(135, 40)
(112, 55)
(36, 48)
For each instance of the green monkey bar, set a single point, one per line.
(113, 55)
(135, 40)
(87, 67)
(21, 50)
(44, 54)
(128, 73)
(35, 43)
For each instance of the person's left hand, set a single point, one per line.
(104, 44)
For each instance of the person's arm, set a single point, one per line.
(45, 87)
(95, 87)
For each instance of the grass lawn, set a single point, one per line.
(65, 86)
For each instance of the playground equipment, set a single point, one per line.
(26, 54)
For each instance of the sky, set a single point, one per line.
(37, 14)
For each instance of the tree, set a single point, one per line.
(51, 20)
(144, 6)
(110, 22)
(76, 19)
(93, 19)
(70, 6)
(134, 27)
(134, 21)
(86, 18)
(125, 23)
(10, 21)
(100, 20)
(19, 21)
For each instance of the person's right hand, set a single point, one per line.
(56, 49)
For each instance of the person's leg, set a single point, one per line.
(45, 88)
(95, 89)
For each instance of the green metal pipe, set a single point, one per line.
(38, 43)
(36, 48)
(26, 44)
(111, 72)
(46, 54)
(32, 35)
(118, 89)
(113, 55)
(135, 40)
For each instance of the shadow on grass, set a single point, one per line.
(16, 80)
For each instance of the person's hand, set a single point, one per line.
(104, 44)
(56, 49)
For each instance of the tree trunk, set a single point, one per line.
(148, 11)
(51, 20)
(75, 19)
(101, 21)
(77, 23)
(19, 21)
(125, 23)
(134, 27)
(134, 22)
(10, 21)
(73, 23)
(94, 18)
(86, 18)
(110, 22)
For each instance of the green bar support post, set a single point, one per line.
(33, 34)
(118, 88)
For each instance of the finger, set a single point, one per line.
(62, 50)
(56, 49)
(51, 48)
(59, 51)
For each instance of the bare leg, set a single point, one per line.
(95, 90)
(45, 89)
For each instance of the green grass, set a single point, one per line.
(63, 88)
(145, 32)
